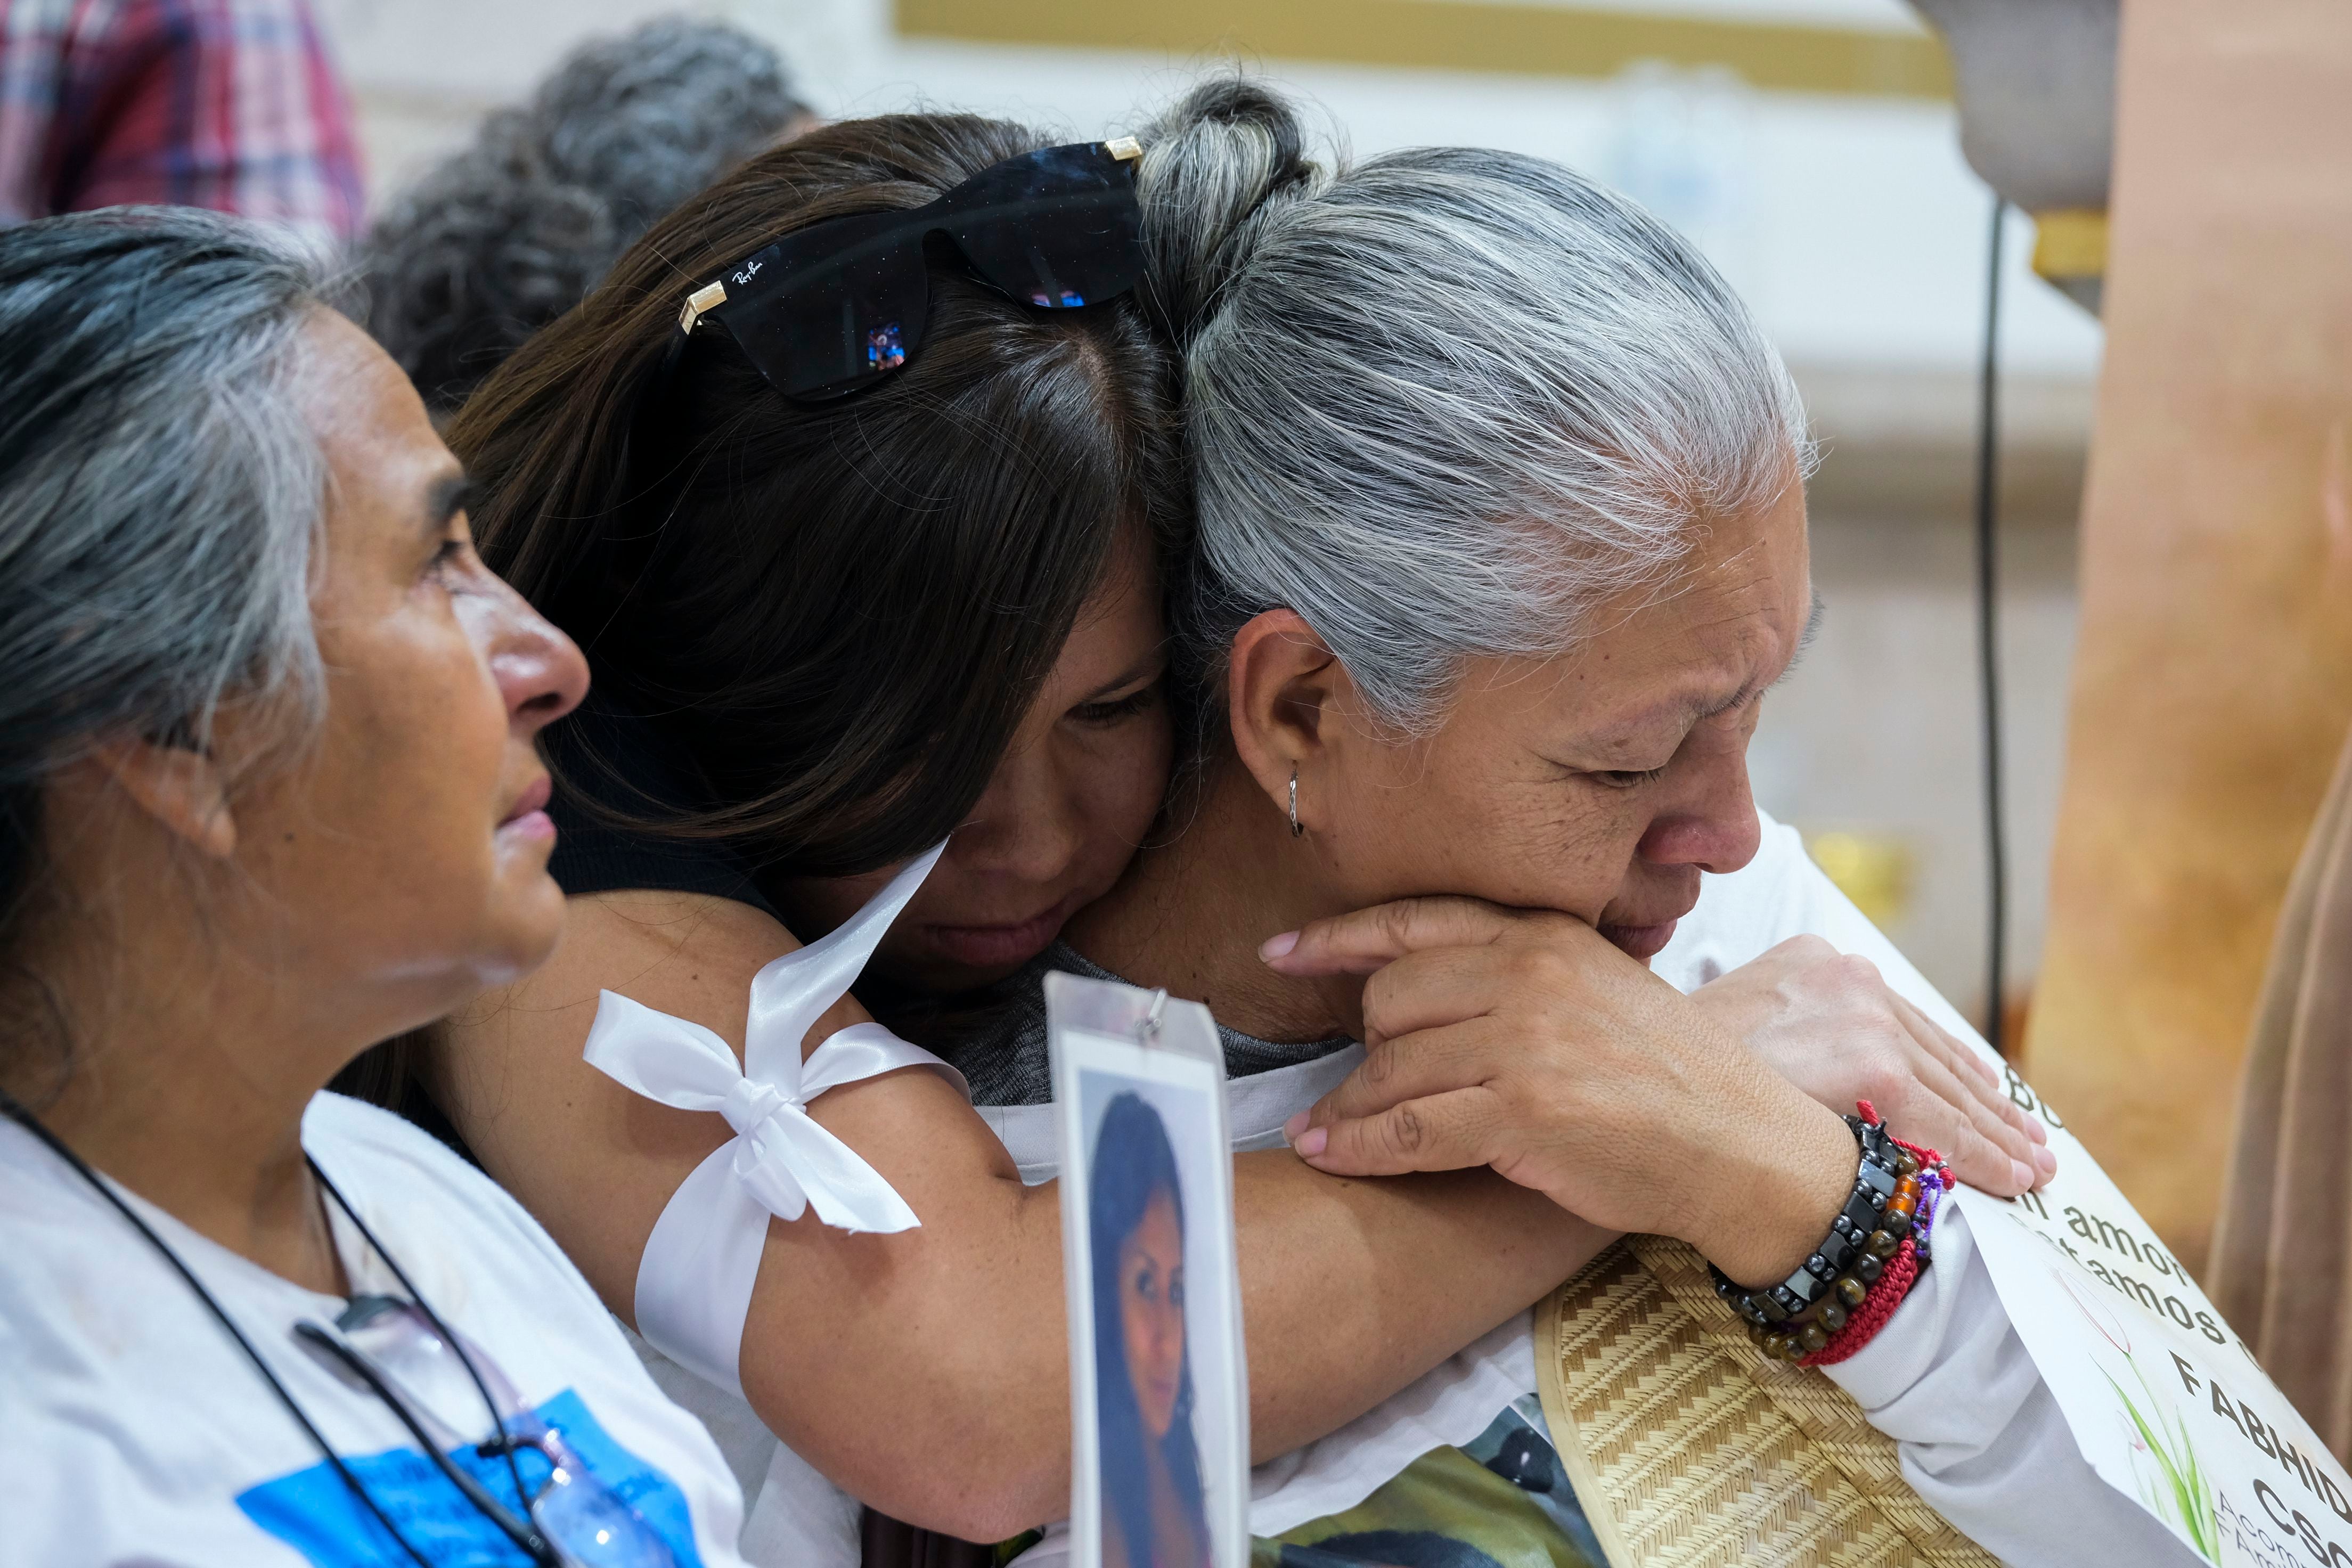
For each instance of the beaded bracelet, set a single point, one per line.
(1893, 1287)
(1902, 1270)
(1931, 1195)
(1796, 1318)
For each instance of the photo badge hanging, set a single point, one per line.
(1158, 1393)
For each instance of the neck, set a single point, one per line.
(189, 1074)
(1191, 912)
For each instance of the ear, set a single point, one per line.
(1287, 695)
(178, 786)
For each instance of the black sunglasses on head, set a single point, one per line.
(834, 307)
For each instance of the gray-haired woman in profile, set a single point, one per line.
(269, 794)
(1502, 537)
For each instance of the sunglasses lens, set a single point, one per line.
(841, 304)
(594, 1527)
(1059, 229)
(838, 320)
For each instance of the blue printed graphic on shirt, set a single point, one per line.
(315, 1513)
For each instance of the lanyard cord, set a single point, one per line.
(525, 1535)
(456, 1346)
(16, 1110)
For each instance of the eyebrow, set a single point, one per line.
(1700, 711)
(1805, 638)
(448, 496)
(1130, 675)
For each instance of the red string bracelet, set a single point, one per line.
(1902, 1270)
(1861, 1326)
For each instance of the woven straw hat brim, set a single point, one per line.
(1690, 1448)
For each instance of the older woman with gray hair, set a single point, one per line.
(1502, 539)
(269, 794)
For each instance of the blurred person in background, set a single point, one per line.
(269, 792)
(226, 104)
(513, 230)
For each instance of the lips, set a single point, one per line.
(1642, 944)
(528, 816)
(1642, 940)
(995, 946)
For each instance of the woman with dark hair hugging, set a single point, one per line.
(858, 482)
(1154, 1513)
(1501, 541)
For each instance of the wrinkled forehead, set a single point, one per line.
(1706, 640)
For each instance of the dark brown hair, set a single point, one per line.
(838, 611)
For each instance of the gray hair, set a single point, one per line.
(514, 229)
(1444, 402)
(160, 489)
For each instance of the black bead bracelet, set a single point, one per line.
(1835, 1279)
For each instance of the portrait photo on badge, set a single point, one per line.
(1160, 1411)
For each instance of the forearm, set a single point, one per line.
(927, 1372)
(1352, 1289)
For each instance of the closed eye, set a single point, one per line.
(1102, 715)
(449, 552)
(1618, 778)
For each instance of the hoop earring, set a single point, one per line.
(1296, 830)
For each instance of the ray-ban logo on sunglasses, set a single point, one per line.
(745, 276)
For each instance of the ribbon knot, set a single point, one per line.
(748, 1104)
(695, 1278)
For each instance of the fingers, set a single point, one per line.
(1445, 1132)
(1949, 1118)
(1411, 1067)
(1363, 941)
(2024, 1139)
(1445, 986)
(1951, 1046)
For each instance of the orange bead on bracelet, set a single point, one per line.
(1879, 1270)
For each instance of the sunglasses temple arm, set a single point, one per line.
(505, 1400)
(525, 1536)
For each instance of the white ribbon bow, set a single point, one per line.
(695, 1278)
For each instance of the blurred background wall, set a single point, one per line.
(1811, 146)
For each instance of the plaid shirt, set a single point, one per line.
(230, 104)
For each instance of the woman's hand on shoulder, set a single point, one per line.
(1829, 1024)
(1523, 1040)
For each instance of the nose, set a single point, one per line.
(1711, 824)
(1168, 1334)
(542, 673)
(1027, 826)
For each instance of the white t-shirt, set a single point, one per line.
(134, 1430)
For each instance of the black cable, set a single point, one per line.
(1989, 636)
(10, 1107)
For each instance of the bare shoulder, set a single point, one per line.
(592, 1160)
(686, 953)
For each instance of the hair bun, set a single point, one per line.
(1215, 166)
